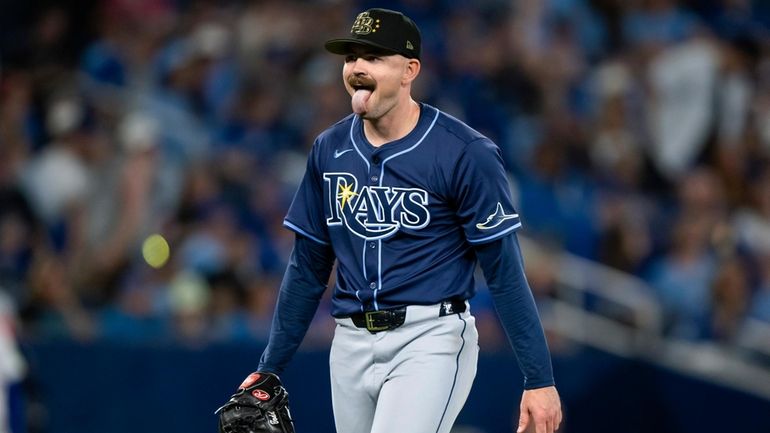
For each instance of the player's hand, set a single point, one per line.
(542, 408)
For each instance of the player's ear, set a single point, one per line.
(411, 70)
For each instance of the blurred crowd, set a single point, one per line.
(637, 134)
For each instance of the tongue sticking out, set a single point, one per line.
(359, 101)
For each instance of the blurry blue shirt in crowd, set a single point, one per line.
(558, 210)
(684, 290)
(661, 27)
(760, 305)
(102, 63)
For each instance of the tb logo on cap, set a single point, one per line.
(363, 24)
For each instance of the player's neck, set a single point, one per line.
(396, 124)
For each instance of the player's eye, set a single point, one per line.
(350, 58)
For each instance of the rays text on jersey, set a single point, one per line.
(374, 212)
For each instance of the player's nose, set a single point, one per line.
(358, 67)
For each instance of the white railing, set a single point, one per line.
(617, 312)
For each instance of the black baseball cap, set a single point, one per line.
(385, 29)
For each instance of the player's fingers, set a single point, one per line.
(545, 423)
(558, 420)
(523, 420)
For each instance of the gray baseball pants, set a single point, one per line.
(412, 379)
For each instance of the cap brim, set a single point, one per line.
(342, 46)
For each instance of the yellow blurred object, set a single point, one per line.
(155, 250)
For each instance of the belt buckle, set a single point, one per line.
(369, 318)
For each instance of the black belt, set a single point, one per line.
(385, 320)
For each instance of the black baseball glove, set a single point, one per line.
(261, 405)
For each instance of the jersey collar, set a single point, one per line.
(424, 122)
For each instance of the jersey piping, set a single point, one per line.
(496, 235)
(457, 369)
(382, 176)
(294, 227)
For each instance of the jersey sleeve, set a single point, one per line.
(503, 266)
(304, 282)
(484, 203)
(306, 213)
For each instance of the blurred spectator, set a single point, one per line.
(752, 221)
(752, 229)
(730, 294)
(54, 310)
(733, 132)
(736, 19)
(682, 81)
(188, 297)
(759, 306)
(615, 150)
(619, 164)
(261, 297)
(652, 25)
(19, 226)
(56, 179)
(626, 242)
(12, 364)
(227, 307)
(557, 200)
(18, 123)
(138, 313)
(682, 277)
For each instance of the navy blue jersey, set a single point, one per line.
(402, 218)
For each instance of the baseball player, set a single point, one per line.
(407, 200)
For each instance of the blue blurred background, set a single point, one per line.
(636, 134)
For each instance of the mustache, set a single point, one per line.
(361, 81)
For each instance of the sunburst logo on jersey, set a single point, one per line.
(345, 194)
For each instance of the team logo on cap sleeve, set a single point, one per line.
(498, 217)
(374, 212)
